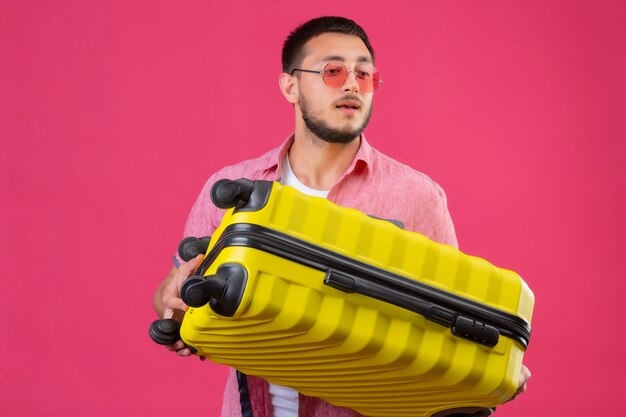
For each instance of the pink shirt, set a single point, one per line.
(374, 184)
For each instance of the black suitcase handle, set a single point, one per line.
(461, 326)
(466, 412)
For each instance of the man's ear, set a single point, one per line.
(289, 87)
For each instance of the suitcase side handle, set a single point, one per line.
(460, 325)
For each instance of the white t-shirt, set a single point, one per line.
(288, 177)
(285, 400)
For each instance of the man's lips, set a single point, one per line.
(348, 106)
(347, 110)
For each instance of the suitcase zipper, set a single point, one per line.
(466, 318)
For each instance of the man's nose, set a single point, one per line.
(351, 84)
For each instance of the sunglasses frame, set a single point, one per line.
(323, 73)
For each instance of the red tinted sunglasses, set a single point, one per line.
(335, 75)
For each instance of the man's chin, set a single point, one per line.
(339, 136)
(342, 130)
(343, 139)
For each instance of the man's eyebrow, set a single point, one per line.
(362, 58)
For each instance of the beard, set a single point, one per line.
(328, 134)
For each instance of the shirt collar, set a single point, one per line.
(276, 157)
(363, 156)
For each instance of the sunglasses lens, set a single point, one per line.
(335, 75)
(375, 79)
(367, 78)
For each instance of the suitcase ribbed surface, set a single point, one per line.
(349, 349)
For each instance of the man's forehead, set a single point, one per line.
(360, 58)
(332, 46)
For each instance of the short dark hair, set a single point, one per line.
(293, 48)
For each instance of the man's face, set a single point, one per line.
(336, 115)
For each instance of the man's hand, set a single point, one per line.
(170, 289)
(180, 348)
(167, 301)
(524, 376)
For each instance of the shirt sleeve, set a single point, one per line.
(203, 218)
(442, 226)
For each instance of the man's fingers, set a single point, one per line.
(180, 348)
(171, 299)
(184, 352)
(168, 313)
(173, 302)
(179, 345)
(524, 376)
(187, 268)
(175, 347)
(198, 260)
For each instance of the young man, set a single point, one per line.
(330, 78)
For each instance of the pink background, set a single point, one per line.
(114, 113)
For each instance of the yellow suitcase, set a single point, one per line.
(350, 309)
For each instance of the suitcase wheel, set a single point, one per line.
(227, 193)
(197, 291)
(165, 332)
(190, 247)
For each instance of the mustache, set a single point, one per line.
(350, 97)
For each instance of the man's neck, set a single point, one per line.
(319, 164)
